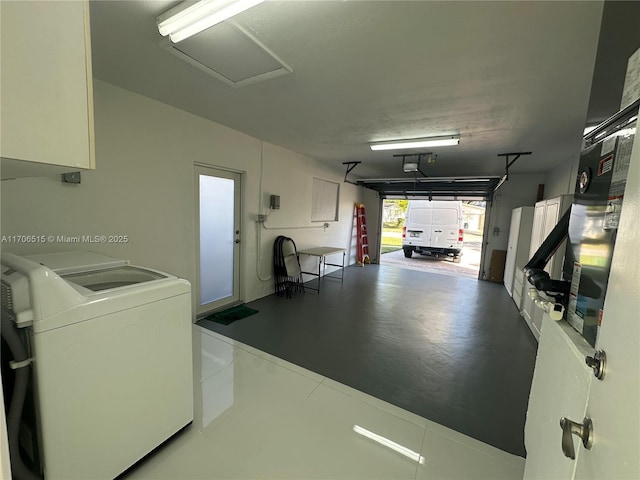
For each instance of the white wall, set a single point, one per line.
(285, 175)
(562, 179)
(518, 191)
(143, 187)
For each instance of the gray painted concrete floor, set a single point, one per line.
(450, 349)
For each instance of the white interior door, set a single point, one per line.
(614, 402)
(218, 238)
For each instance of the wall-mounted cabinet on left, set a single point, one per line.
(46, 88)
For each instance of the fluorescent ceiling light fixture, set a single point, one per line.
(588, 130)
(188, 18)
(396, 447)
(416, 143)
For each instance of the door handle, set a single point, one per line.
(438, 231)
(583, 430)
(598, 363)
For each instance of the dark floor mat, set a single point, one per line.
(232, 314)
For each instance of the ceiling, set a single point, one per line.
(504, 76)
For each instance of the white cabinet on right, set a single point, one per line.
(546, 215)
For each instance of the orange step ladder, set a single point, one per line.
(363, 239)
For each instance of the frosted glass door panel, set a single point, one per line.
(216, 238)
(218, 235)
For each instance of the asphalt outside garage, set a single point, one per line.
(469, 265)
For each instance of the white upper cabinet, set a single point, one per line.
(546, 216)
(46, 88)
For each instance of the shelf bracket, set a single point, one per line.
(507, 164)
(350, 166)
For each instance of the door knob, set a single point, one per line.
(583, 430)
(598, 363)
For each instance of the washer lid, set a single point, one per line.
(72, 262)
(105, 279)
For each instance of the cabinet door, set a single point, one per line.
(537, 231)
(555, 208)
(518, 288)
(510, 263)
(529, 312)
(551, 217)
(46, 91)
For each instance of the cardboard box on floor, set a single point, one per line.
(496, 268)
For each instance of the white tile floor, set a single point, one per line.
(257, 416)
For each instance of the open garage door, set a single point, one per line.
(434, 188)
(433, 236)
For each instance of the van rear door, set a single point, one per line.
(419, 225)
(444, 227)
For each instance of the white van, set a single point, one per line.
(433, 228)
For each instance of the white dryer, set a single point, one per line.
(111, 345)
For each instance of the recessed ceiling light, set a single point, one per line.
(416, 143)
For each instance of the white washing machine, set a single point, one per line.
(111, 345)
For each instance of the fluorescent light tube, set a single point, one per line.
(416, 143)
(188, 18)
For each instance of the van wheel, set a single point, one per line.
(457, 259)
(408, 252)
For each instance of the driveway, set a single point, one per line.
(469, 265)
